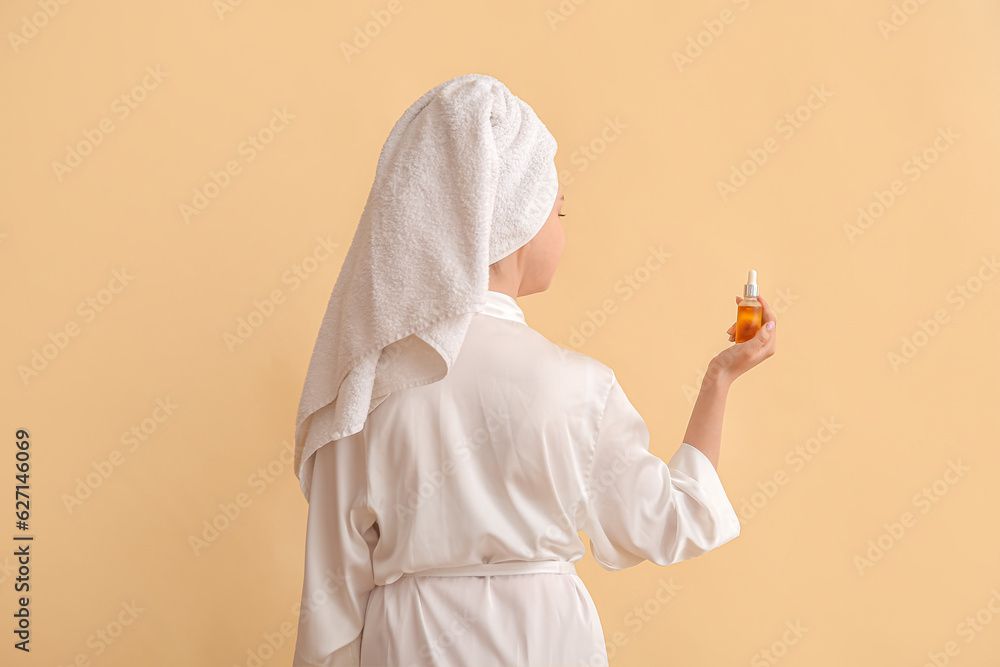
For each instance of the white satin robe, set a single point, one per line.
(523, 444)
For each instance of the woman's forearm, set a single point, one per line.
(704, 429)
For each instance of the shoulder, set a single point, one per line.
(569, 366)
(516, 350)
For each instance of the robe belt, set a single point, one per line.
(489, 569)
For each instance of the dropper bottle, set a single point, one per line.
(749, 311)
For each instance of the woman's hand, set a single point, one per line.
(737, 359)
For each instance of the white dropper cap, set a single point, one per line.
(750, 289)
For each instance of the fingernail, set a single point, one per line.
(770, 326)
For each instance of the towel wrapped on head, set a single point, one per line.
(466, 177)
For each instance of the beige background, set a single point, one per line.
(117, 576)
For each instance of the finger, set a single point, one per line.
(764, 336)
(768, 313)
(768, 349)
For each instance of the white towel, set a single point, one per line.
(466, 177)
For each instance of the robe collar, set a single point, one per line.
(504, 306)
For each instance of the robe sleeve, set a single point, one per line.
(340, 535)
(641, 508)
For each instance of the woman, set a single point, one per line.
(448, 451)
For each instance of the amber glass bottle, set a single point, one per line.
(749, 311)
